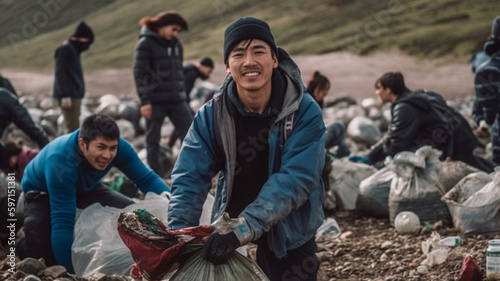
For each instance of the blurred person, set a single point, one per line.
(16, 158)
(193, 71)
(486, 109)
(159, 80)
(318, 86)
(11, 111)
(69, 85)
(66, 175)
(421, 118)
(264, 137)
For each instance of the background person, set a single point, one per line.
(421, 118)
(487, 87)
(69, 86)
(66, 175)
(159, 80)
(192, 72)
(266, 138)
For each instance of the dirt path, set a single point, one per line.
(350, 75)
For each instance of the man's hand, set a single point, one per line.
(360, 159)
(146, 111)
(218, 248)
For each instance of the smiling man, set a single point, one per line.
(67, 175)
(265, 139)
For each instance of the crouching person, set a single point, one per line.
(67, 175)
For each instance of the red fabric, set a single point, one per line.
(153, 255)
(470, 271)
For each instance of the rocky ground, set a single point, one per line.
(368, 249)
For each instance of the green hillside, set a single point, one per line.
(453, 29)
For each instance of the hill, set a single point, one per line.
(450, 29)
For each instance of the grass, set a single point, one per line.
(450, 29)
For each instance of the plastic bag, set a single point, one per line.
(345, 178)
(156, 250)
(97, 247)
(373, 198)
(474, 204)
(330, 228)
(416, 187)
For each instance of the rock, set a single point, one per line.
(31, 277)
(56, 271)
(20, 275)
(387, 245)
(31, 266)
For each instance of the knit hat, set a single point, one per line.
(84, 31)
(495, 28)
(207, 62)
(247, 28)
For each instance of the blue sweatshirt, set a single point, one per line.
(61, 170)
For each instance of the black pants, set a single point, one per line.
(181, 116)
(300, 264)
(476, 162)
(36, 242)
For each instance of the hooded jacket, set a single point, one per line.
(423, 118)
(158, 70)
(289, 205)
(11, 111)
(68, 80)
(487, 88)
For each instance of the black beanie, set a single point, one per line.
(84, 31)
(207, 62)
(247, 28)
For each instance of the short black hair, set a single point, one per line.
(393, 80)
(10, 149)
(99, 125)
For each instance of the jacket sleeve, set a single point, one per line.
(22, 119)
(142, 70)
(297, 177)
(193, 172)
(130, 164)
(487, 88)
(65, 56)
(405, 126)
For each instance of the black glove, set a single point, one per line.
(218, 248)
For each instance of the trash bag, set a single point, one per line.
(373, 198)
(97, 247)
(345, 178)
(157, 251)
(474, 204)
(416, 188)
(238, 267)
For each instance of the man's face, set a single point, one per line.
(251, 64)
(170, 31)
(383, 94)
(100, 152)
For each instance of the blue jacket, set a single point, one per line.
(61, 170)
(289, 205)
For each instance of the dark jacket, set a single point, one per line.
(5, 83)
(487, 87)
(191, 73)
(12, 111)
(68, 80)
(158, 69)
(423, 118)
